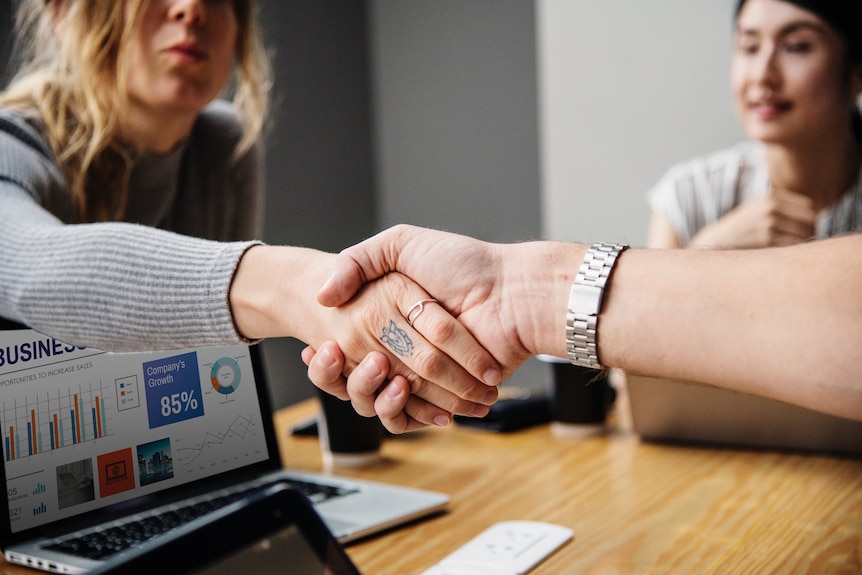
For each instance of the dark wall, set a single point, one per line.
(6, 18)
(420, 111)
(320, 179)
(456, 120)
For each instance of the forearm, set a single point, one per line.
(751, 320)
(785, 323)
(114, 286)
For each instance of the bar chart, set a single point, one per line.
(54, 420)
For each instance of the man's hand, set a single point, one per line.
(488, 287)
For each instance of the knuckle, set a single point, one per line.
(439, 328)
(362, 407)
(400, 230)
(371, 315)
(361, 390)
(419, 386)
(463, 407)
(429, 363)
(397, 424)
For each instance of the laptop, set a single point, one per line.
(92, 440)
(686, 412)
(280, 533)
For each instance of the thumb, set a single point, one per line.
(343, 284)
(364, 262)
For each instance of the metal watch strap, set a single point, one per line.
(585, 303)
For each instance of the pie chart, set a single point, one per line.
(225, 375)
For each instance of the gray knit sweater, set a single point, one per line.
(149, 282)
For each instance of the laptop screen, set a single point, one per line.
(82, 430)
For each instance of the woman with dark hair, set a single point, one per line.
(796, 76)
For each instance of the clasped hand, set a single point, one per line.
(465, 277)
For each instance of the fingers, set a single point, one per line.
(430, 404)
(449, 335)
(325, 367)
(364, 382)
(795, 218)
(433, 367)
(787, 231)
(402, 412)
(370, 393)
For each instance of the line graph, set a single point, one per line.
(231, 438)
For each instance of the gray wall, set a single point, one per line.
(455, 115)
(627, 88)
(390, 111)
(455, 111)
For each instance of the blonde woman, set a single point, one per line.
(131, 200)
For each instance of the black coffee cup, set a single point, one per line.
(580, 398)
(347, 439)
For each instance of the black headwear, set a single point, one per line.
(845, 16)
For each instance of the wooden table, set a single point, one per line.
(635, 507)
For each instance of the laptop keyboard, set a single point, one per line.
(104, 542)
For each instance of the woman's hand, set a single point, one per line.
(779, 218)
(273, 294)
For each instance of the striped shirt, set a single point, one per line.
(699, 192)
(159, 279)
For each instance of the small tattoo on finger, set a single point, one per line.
(397, 339)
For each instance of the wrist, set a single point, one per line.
(547, 270)
(270, 286)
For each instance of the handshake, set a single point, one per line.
(471, 312)
(481, 311)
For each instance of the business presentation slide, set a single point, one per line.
(81, 428)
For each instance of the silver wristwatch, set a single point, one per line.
(585, 303)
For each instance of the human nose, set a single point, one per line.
(190, 12)
(764, 68)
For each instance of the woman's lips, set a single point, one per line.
(188, 52)
(768, 109)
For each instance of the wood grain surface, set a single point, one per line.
(635, 507)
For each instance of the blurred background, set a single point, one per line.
(507, 120)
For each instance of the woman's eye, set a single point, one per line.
(797, 47)
(747, 48)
